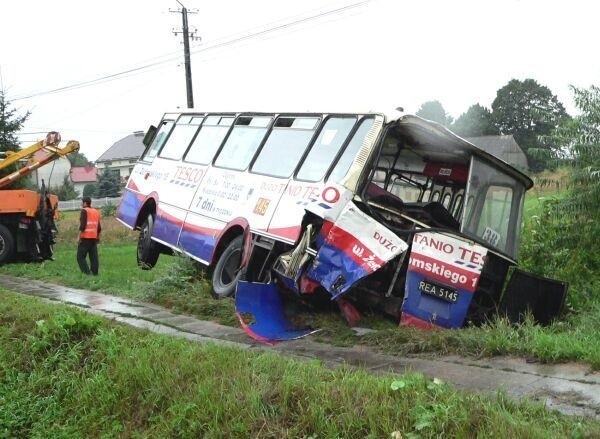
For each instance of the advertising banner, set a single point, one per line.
(443, 273)
(355, 246)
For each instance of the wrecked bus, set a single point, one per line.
(395, 213)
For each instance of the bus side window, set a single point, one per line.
(446, 200)
(241, 145)
(321, 155)
(159, 140)
(285, 146)
(456, 208)
(343, 164)
(209, 138)
(180, 138)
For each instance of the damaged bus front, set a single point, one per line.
(425, 228)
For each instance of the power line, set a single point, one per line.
(285, 25)
(90, 82)
(141, 69)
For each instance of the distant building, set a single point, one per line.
(82, 175)
(504, 147)
(122, 156)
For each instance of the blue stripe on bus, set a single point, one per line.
(198, 244)
(129, 208)
(166, 230)
(431, 309)
(335, 270)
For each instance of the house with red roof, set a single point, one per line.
(82, 175)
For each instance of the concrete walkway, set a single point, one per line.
(570, 388)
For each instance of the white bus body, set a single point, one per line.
(390, 210)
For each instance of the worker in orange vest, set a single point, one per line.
(89, 237)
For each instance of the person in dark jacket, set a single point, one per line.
(89, 237)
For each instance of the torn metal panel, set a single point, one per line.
(269, 323)
(355, 246)
(528, 293)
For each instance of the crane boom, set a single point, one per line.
(27, 227)
(49, 146)
(51, 141)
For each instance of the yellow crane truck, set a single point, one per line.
(27, 217)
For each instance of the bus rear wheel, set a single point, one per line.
(147, 250)
(224, 274)
(7, 244)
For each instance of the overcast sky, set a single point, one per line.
(377, 55)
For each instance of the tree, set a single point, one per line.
(66, 191)
(433, 110)
(108, 185)
(528, 110)
(89, 189)
(578, 140)
(78, 159)
(10, 124)
(564, 238)
(476, 121)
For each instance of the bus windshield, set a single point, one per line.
(494, 207)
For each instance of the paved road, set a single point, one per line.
(570, 388)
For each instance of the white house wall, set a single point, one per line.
(53, 173)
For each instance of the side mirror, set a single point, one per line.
(149, 136)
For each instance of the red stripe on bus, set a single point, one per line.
(408, 320)
(285, 232)
(352, 247)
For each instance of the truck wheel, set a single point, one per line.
(7, 244)
(224, 275)
(147, 250)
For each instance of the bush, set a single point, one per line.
(66, 191)
(108, 185)
(108, 209)
(89, 189)
(558, 245)
(180, 278)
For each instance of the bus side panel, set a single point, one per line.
(129, 207)
(143, 182)
(199, 236)
(168, 223)
(296, 197)
(179, 181)
(325, 200)
(224, 195)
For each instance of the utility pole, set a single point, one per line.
(187, 35)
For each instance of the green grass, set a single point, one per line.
(574, 339)
(64, 373)
(119, 273)
(178, 283)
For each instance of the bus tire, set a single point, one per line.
(224, 276)
(7, 244)
(147, 250)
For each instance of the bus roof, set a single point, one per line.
(433, 139)
(427, 136)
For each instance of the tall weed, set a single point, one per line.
(555, 244)
(183, 277)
